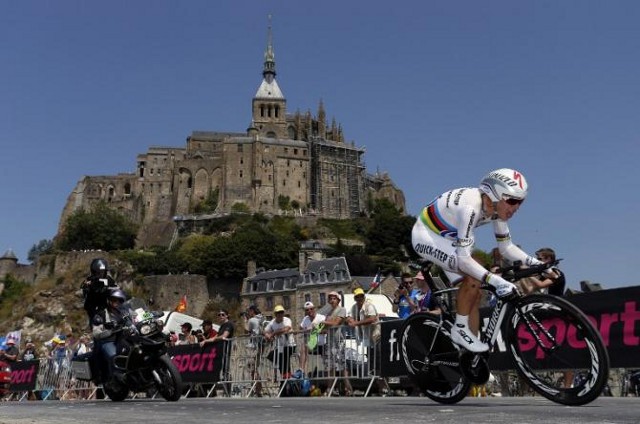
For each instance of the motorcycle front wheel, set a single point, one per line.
(168, 379)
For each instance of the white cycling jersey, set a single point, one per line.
(444, 234)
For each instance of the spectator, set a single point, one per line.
(83, 346)
(227, 329)
(225, 334)
(186, 337)
(199, 335)
(278, 331)
(336, 317)
(253, 327)
(30, 353)
(554, 283)
(314, 341)
(403, 301)
(11, 352)
(208, 333)
(422, 296)
(363, 317)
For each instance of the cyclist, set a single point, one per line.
(444, 234)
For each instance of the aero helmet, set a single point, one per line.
(504, 183)
(99, 268)
(117, 294)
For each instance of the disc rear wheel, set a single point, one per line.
(432, 360)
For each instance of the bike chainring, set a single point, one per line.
(475, 367)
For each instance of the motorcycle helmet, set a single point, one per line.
(504, 183)
(99, 268)
(117, 294)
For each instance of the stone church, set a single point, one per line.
(294, 163)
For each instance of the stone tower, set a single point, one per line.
(269, 104)
(8, 263)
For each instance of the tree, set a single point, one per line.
(99, 228)
(42, 247)
(209, 204)
(284, 202)
(389, 231)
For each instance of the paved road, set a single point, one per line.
(530, 410)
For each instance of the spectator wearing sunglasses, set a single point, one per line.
(444, 234)
(554, 282)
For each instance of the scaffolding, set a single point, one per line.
(336, 179)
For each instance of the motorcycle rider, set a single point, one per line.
(96, 287)
(106, 323)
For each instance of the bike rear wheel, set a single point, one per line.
(432, 360)
(557, 350)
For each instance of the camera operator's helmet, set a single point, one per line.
(504, 183)
(117, 294)
(99, 268)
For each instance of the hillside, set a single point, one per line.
(53, 304)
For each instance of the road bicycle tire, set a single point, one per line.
(432, 360)
(550, 340)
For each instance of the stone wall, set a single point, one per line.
(167, 290)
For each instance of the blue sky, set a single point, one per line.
(438, 92)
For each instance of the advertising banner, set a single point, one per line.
(24, 375)
(198, 364)
(615, 313)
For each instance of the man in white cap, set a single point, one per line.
(313, 341)
(279, 331)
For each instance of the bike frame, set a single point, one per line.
(499, 312)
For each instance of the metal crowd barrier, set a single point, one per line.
(55, 381)
(253, 367)
(257, 367)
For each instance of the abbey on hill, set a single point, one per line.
(283, 163)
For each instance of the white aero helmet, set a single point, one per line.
(504, 183)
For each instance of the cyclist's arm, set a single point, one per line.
(509, 250)
(468, 218)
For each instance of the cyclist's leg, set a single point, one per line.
(441, 251)
(469, 302)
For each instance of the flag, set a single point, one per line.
(182, 305)
(376, 281)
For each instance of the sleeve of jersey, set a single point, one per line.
(468, 217)
(507, 249)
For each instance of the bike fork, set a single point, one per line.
(528, 320)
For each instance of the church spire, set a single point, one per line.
(269, 105)
(269, 70)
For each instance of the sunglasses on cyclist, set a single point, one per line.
(513, 201)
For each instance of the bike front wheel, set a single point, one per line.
(432, 360)
(557, 350)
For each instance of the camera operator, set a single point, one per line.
(403, 302)
(96, 288)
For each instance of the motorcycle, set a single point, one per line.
(141, 362)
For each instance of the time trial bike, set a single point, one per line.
(547, 337)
